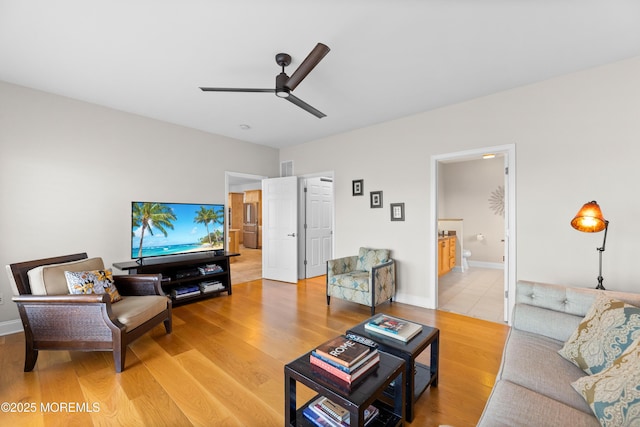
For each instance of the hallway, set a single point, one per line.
(478, 292)
(247, 266)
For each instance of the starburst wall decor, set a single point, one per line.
(496, 201)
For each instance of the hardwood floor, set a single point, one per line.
(223, 364)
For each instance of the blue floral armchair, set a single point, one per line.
(368, 278)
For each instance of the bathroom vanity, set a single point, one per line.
(446, 254)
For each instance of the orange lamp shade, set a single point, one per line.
(589, 219)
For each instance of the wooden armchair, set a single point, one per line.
(368, 278)
(54, 319)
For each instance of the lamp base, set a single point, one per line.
(600, 250)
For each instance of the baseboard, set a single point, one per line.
(10, 327)
(411, 300)
(494, 265)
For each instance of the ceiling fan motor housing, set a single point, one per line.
(281, 85)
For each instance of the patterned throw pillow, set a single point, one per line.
(614, 394)
(92, 282)
(607, 330)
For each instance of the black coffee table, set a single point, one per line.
(371, 390)
(418, 376)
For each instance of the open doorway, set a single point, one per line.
(244, 231)
(491, 273)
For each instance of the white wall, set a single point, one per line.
(69, 171)
(576, 140)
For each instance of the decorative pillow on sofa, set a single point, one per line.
(607, 330)
(92, 282)
(614, 394)
(367, 258)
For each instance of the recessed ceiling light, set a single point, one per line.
(488, 156)
(245, 127)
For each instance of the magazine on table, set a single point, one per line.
(393, 327)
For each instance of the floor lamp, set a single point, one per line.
(589, 219)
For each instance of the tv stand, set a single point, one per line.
(187, 278)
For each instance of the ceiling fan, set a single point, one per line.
(285, 84)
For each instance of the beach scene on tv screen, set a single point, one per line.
(175, 228)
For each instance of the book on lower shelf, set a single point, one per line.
(392, 327)
(325, 413)
(342, 350)
(180, 292)
(212, 286)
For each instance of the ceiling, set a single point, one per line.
(388, 59)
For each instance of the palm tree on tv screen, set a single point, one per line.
(207, 216)
(148, 216)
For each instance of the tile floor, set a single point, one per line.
(478, 292)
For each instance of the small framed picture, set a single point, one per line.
(358, 187)
(397, 211)
(376, 199)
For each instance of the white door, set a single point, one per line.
(279, 225)
(319, 232)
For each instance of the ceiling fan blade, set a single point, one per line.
(309, 63)
(300, 103)
(234, 89)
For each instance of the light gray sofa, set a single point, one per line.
(533, 386)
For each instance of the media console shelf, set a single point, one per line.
(187, 278)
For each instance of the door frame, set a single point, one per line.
(509, 150)
(228, 181)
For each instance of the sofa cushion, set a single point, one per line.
(532, 361)
(511, 405)
(576, 301)
(92, 282)
(50, 279)
(368, 258)
(550, 323)
(607, 330)
(133, 311)
(614, 394)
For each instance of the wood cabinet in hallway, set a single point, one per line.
(446, 254)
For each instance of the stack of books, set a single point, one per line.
(393, 327)
(210, 269)
(180, 292)
(345, 360)
(323, 412)
(212, 286)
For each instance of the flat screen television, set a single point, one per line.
(161, 229)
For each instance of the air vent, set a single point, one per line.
(286, 168)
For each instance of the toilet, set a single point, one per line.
(465, 254)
